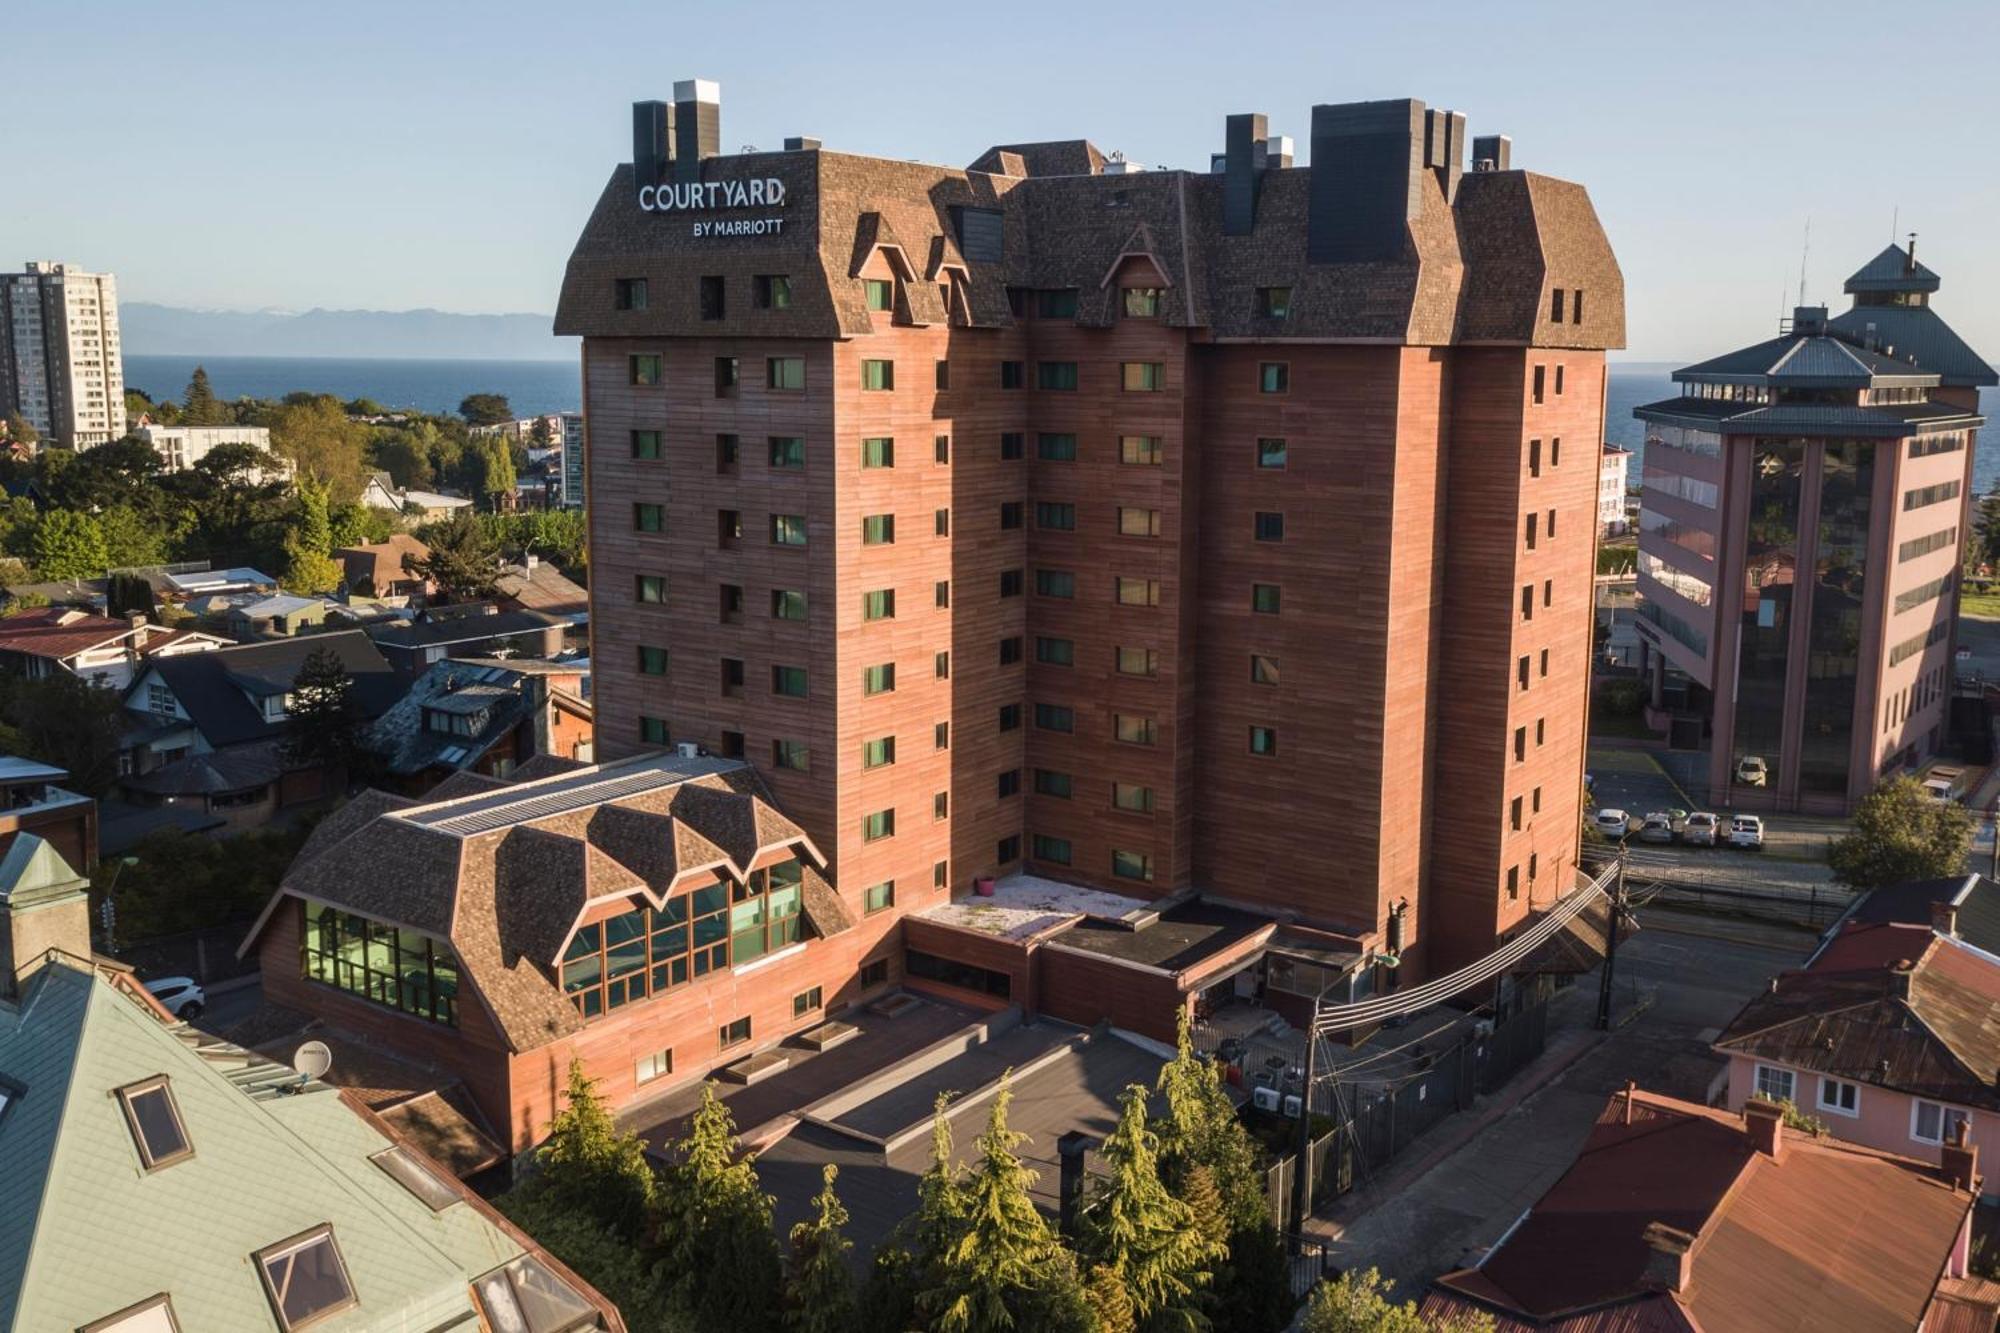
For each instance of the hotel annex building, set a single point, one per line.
(1199, 561)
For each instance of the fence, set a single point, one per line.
(207, 955)
(1310, 1260)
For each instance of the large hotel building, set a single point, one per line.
(61, 369)
(1043, 584)
(1806, 502)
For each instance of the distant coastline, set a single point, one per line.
(425, 385)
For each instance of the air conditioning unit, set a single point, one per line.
(1293, 1105)
(1265, 1099)
(688, 750)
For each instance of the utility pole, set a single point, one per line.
(1611, 946)
(1302, 1173)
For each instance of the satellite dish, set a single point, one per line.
(313, 1059)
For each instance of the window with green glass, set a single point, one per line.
(1263, 740)
(788, 529)
(652, 661)
(1274, 377)
(1139, 450)
(878, 679)
(1264, 598)
(881, 293)
(1055, 516)
(788, 604)
(878, 452)
(652, 730)
(881, 824)
(879, 605)
(878, 374)
(1274, 302)
(649, 518)
(1055, 652)
(1048, 782)
(793, 755)
(1271, 453)
(785, 372)
(772, 291)
(789, 681)
(1055, 448)
(1055, 374)
(879, 752)
(1134, 728)
(788, 451)
(1055, 851)
(1131, 865)
(1056, 304)
(1054, 717)
(1144, 376)
(392, 966)
(1055, 583)
(651, 588)
(643, 368)
(878, 897)
(1142, 302)
(878, 529)
(645, 444)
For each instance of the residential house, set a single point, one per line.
(158, 1179)
(1682, 1217)
(379, 569)
(379, 492)
(51, 639)
(182, 448)
(504, 898)
(474, 630)
(1966, 907)
(208, 733)
(1890, 1036)
(279, 616)
(1613, 480)
(481, 716)
(33, 801)
(537, 585)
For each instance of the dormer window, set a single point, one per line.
(773, 291)
(155, 1121)
(1142, 302)
(881, 293)
(1057, 304)
(1274, 302)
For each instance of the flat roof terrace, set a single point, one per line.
(1183, 937)
(1024, 907)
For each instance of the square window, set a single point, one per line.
(1056, 851)
(153, 1315)
(791, 755)
(773, 291)
(1142, 302)
(1010, 514)
(1274, 302)
(1839, 1097)
(1010, 650)
(788, 529)
(808, 1001)
(1131, 865)
(1060, 304)
(878, 530)
(878, 453)
(1139, 450)
(1130, 796)
(1054, 717)
(880, 293)
(788, 451)
(1144, 376)
(1055, 583)
(1010, 717)
(1138, 662)
(643, 368)
(305, 1278)
(1060, 375)
(1134, 728)
(1264, 598)
(878, 679)
(785, 372)
(1010, 375)
(1263, 740)
(878, 753)
(874, 972)
(155, 1121)
(1932, 1122)
(790, 681)
(1274, 377)
(1010, 583)
(652, 661)
(657, 1065)
(651, 588)
(1270, 453)
(1010, 445)
(1270, 527)
(733, 1033)
(881, 824)
(788, 604)
(1138, 522)
(712, 303)
(1008, 783)
(649, 518)
(1055, 652)
(1263, 670)
(652, 730)
(645, 444)
(629, 293)
(1008, 849)
(878, 375)
(1775, 1084)
(1048, 782)
(1055, 448)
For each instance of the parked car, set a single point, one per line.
(183, 997)
(1747, 831)
(1612, 823)
(1656, 828)
(1701, 829)
(1750, 771)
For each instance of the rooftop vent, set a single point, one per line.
(697, 126)
(802, 143)
(1492, 152)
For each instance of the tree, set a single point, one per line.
(1002, 1270)
(540, 434)
(1202, 1129)
(589, 1167)
(323, 713)
(309, 568)
(132, 538)
(127, 595)
(200, 406)
(819, 1290)
(1901, 833)
(20, 430)
(463, 560)
(495, 468)
(404, 454)
(64, 721)
(1360, 1303)
(1110, 1302)
(714, 1228)
(322, 443)
(68, 545)
(485, 409)
(908, 1263)
(1145, 1235)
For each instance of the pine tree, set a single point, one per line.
(714, 1228)
(1110, 1302)
(202, 407)
(322, 716)
(992, 1271)
(908, 1264)
(819, 1290)
(309, 568)
(463, 560)
(1134, 1227)
(589, 1166)
(1202, 1129)
(1361, 1303)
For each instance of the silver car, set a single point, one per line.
(1701, 829)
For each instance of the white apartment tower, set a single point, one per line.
(60, 364)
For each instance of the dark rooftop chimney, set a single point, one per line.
(652, 142)
(1669, 1257)
(801, 143)
(1492, 152)
(1365, 180)
(1070, 1150)
(1809, 320)
(697, 126)
(1243, 137)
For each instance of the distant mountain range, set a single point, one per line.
(163, 330)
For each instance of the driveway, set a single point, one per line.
(1414, 1230)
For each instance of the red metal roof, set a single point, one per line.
(43, 633)
(1828, 1235)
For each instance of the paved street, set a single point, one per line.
(1417, 1229)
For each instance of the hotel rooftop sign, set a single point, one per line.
(703, 196)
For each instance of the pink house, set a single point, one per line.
(1890, 1036)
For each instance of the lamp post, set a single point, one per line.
(108, 910)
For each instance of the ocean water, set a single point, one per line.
(532, 388)
(536, 387)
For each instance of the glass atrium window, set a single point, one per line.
(387, 965)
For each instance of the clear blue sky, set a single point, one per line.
(395, 155)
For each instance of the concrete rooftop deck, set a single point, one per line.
(1024, 906)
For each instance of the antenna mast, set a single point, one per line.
(1804, 250)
